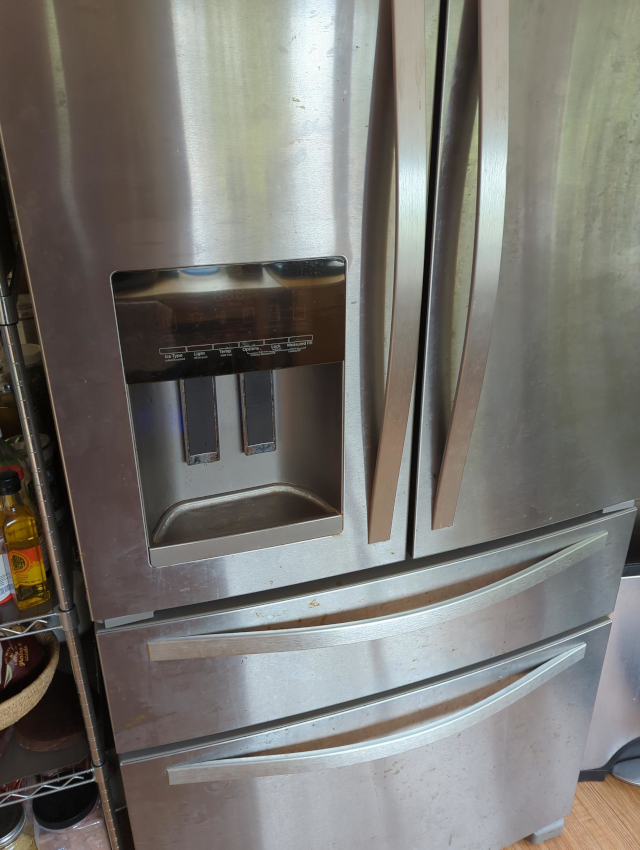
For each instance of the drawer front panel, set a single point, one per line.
(472, 762)
(221, 670)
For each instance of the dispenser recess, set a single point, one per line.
(185, 337)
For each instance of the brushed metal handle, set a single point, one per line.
(361, 631)
(410, 86)
(489, 231)
(252, 767)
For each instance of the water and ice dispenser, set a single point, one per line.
(235, 381)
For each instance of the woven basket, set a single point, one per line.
(16, 707)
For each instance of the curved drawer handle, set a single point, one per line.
(487, 256)
(361, 631)
(410, 69)
(252, 767)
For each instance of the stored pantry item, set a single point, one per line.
(12, 709)
(21, 662)
(20, 532)
(6, 583)
(11, 457)
(18, 445)
(71, 820)
(9, 416)
(16, 833)
(56, 721)
(35, 370)
(27, 324)
(39, 390)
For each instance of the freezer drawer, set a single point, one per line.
(212, 672)
(471, 762)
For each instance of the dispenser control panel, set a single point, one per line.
(222, 320)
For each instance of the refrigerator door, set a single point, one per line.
(549, 430)
(473, 761)
(177, 134)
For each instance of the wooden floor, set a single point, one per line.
(605, 816)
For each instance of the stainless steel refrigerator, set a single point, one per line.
(339, 304)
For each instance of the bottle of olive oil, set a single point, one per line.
(20, 532)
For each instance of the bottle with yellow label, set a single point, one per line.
(20, 532)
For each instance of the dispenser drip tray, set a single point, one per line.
(227, 524)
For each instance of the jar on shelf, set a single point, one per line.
(37, 380)
(16, 832)
(70, 820)
(9, 416)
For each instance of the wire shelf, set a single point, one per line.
(69, 779)
(33, 626)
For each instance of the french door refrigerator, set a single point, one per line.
(339, 306)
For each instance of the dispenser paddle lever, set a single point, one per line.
(200, 420)
(258, 412)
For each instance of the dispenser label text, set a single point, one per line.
(252, 347)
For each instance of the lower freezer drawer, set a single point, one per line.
(208, 672)
(474, 761)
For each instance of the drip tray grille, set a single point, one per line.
(241, 522)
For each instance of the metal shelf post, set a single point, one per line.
(67, 612)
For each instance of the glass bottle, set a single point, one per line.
(20, 532)
(9, 459)
(14, 456)
(16, 833)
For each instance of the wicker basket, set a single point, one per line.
(17, 706)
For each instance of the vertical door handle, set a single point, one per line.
(410, 89)
(489, 231)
